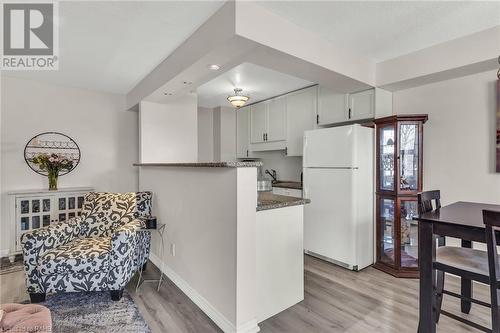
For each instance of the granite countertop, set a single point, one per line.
(204, 164)
(268, 200)
(288, 184)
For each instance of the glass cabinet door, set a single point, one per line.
(409, 233)
(387, 230)
(68, 206)
(386, 167)
(408, 157)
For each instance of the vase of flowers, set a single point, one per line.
(53, 164)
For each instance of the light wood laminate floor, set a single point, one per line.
(336, 300)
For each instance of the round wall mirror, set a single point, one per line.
(52, 144)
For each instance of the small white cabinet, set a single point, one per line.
(268, 124)
(242, 132)
(336, 108)
(33, 209)
(362, 105)
(258, 122)
(276, 120)
(301, 114)
(332, 107)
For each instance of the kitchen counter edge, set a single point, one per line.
(203, 164)
(291, 202)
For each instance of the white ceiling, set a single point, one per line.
(257, 82)
(110, 46)
(387, 29)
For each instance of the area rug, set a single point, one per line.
(94, 312)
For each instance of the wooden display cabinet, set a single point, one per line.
(399, 179)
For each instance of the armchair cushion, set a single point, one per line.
(82, 255)
(37, 242)
(104, 212)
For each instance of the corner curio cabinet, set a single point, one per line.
(399, 179)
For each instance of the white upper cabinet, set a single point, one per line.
(279, 123)
(276, 120)
(301, 114)
(332, 107)
(268, 122)
(362, 105)
(337, 108)
(383, 103)
(258, 122)
(242, 132)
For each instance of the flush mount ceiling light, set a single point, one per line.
(238, 100)
(214, 67)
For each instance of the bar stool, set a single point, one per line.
(152, 224)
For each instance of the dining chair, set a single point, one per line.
(492, 221)
(476, 265)
(427, 202)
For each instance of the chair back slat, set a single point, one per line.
(425, 201)
(492, 222)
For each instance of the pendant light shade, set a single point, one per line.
(237, 100)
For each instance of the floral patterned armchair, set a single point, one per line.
(99, 250)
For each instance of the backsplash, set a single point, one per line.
(287, 167)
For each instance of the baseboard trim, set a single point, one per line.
(249, 327)
(218, 318)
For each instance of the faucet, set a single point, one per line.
(273, 175)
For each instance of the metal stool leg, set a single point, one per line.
(161, 231)
(139, 282)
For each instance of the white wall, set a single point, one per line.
(106, 133)
(210, 217)
(169, 132)
(456, 58)
(205, 134)
(224, 133)
(459, 137)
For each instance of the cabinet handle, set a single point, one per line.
(266, 136)
(286, 151)
(317, 119)
(263, 136)
(350, 113)
(247, 152)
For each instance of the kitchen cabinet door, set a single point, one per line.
(362, 105)
(332, 107)
(276, 120)
(258, 122)
(301, 114)
(242, 132)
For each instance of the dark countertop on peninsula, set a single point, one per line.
(204, 164)
(288, 184)
(268, 200)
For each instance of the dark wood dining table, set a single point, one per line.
(463, 220)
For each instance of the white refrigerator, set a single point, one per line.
(338, 178)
